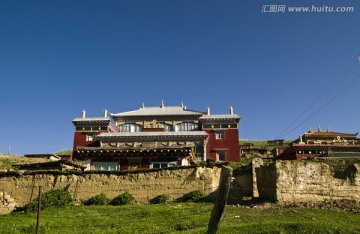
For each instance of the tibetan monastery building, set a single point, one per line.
(155, 137)
(323, 144)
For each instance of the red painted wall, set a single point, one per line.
(80, 140)
(230, 142)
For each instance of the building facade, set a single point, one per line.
(155, 137)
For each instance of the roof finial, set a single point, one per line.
(162, 104)
(301, 140)
(231, 110)
(328, 130)
(310, 130)
(83, 113)
(142, 105)
(183, 106)
(207, 111)
(105, 113)
(319, 129)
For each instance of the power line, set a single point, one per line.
(327, 103)
(284, 133)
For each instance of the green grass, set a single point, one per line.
(5, 164)
(6, 161)
(64, 152)
(257, 143)
(179, 218)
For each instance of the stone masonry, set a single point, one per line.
(7, 204)
(143, 185)
(306, 181)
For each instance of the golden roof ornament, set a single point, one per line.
(153, 123)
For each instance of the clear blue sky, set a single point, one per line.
(58, 57)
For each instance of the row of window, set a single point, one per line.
(105, 166)
(163, 164)
(221, 126)
(186, 126)
(310, 152)
(113, 166)
(129, 127)
(91, 128)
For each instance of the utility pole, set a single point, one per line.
(221, 199)
(38, 212)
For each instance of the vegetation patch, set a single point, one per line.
(161, 199)
(343, 168)
(123, 199)
(189, 218)
(194, 196)
(100, 199)
(64, 152)
(53, 198)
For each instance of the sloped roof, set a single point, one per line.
(158, 111)
(329, 134)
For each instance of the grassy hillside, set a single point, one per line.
(262, 143)
(7, 160)
(64, 152)
(180, 218)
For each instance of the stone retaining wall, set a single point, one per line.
(143, 185)
(306, 181)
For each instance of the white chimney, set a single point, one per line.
(231, 110)
(83, 113)
(105, 112)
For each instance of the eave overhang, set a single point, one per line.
(210, 119)
(179, 151)
(152, 136)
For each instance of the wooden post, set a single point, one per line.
(38, 213)
(221, 199)
(76, 188)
